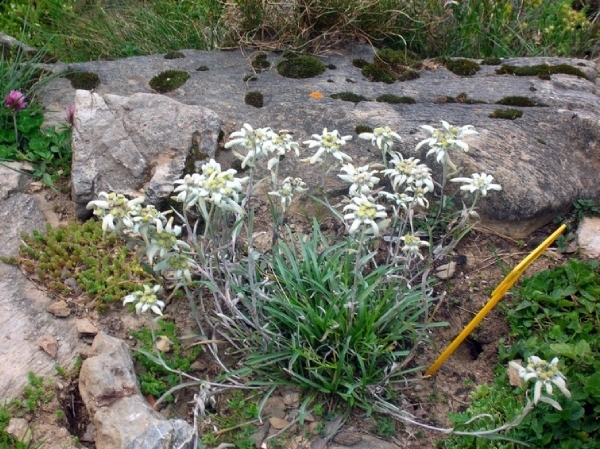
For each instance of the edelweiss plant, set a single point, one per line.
(545, 375)
(335, 317)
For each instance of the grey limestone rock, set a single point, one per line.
(122, 418)
(544, 160)
(136, 145)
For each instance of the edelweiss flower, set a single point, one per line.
(15, 100)
(382, 138)
(328, 143)
(401, 169)
(287, 189)
(419, 195)
(365, 212)
(279, 145)
(115, 210)
(361, 178)
(164, 239)
(147, 221)
(400, 199)
(442, 140)
(180, 264)
(255, 141)
(215, 186)
(412, 245)
(145, 300)
(545, 374)
(478, 183)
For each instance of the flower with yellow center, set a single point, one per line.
(365, 212)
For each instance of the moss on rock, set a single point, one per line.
(378, 74)
(83, 80)
(507, 114)
(174, 55)
(517, 100)
(349, 96)
(394, 99)
(300, 67)
(254, 98)
(202, 68)
(169, 80)
(359, 129)
(461, 66)
(260, 62)
(542, 71)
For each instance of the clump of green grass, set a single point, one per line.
(322, 343)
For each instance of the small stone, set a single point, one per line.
(278, 423)
(446, 271)
(291, 399)
(88, 435)
(19, 429)
(163, 343)
(588, 236)
(199, 365)
(49, 344)
(418, 387)
(59, 309)
(347, 438)
(86, 327)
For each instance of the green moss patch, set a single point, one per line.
(260, 62)
(83, 80)
(169, 80)
(255, 99)
(516, 100)
(202, 68)
(394, 99)
(174, 55)
(378, 74)
(349, 96)
(78, 256)
(359, 129)
(389, 66)
(300, 67)
(507, 114)
(360, 63)
(491, 61)
(542, 71)
(461, 66)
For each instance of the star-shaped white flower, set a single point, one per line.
(478, 183)
(365, 212)
(328, 143)
(145, 300)
(545, 375)
(361, 178)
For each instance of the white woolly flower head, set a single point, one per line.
(362, 179)
(328, 143)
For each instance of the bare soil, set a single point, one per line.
(483, 259)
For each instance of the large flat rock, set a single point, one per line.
(545, 160)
